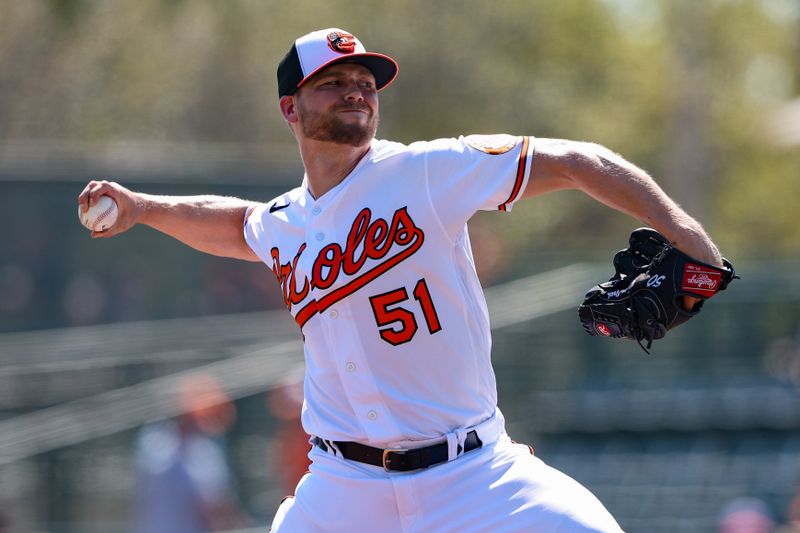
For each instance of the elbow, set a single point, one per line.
(583, 160)
(595, 157)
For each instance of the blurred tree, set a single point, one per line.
(681, 88)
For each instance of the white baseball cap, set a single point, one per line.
(311, 53)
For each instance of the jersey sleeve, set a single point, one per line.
(255, 233)
(477, 172)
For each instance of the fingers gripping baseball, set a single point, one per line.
(128, 206)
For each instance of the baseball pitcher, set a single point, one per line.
(373, 257)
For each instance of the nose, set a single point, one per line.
(353, 92)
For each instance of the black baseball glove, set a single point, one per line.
(643, 299)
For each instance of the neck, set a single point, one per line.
(327, 164)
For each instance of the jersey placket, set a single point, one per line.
(342, 335)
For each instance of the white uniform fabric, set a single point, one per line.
(499, 488)
(380, 277)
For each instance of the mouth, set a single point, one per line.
(364, 110)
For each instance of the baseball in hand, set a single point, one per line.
(100, 216)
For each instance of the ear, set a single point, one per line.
(289, 109)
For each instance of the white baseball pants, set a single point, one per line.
(500, 487)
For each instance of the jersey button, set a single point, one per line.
(350, 366)
(316, 210)
(372, 415)
(320, 236)
(334, 313)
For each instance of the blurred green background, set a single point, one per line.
(179, 97)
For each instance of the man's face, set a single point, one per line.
(340, 105)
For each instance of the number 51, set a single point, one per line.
(399, 324)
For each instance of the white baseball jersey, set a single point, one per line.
(379, 275)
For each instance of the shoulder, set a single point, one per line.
(287, 198)
(156, 445)
(391, 154)
(464, 147)
(260, 213)
(475, 144)
(383, 149)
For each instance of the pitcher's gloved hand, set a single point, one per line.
(643, 299)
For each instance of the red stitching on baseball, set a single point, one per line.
(101, 216)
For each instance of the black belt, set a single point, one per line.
(398, 459)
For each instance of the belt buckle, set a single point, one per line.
(385, 457)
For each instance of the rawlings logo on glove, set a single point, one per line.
(643, 299)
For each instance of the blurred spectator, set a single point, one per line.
(290, 458)
(184, 483)
(746, 515)
(85, 300)
(793, 520)
(491, 257)
(16, 286)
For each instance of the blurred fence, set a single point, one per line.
(664, 440)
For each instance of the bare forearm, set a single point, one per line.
(211, 224)
(612, 180)
(629, 189)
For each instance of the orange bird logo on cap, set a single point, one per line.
(341, 42)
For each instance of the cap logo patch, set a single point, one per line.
(492, 144)
(341, 42)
